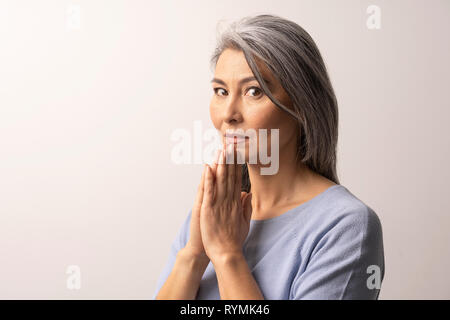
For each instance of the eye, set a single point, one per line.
(220, 91)
(254, 91)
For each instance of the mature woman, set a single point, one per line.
(295, 234)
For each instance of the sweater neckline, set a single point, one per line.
(302, 206)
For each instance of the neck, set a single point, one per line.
(282, 188)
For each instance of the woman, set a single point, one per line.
(295, 234)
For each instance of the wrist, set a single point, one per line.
(192, 258)
(194, 252)
(228, 259)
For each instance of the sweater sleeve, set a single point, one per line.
(178, 243)
(347, 261)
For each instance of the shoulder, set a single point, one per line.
(341, 221)
(342, 242)
(340, 208)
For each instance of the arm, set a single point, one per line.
(235, 279)
(184, 279)
(186, 266)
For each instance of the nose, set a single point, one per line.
(232, 111)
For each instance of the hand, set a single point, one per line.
(225, 211)
(195, 244)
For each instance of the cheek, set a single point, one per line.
(214, 115)
(271, 117)
(260, 117)
(267, 116)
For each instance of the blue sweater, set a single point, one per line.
(330, 247)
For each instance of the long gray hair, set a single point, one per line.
(294, 59)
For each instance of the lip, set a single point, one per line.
(234, 134)
(235, 138)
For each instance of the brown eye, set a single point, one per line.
(254, 91)
(220, 91)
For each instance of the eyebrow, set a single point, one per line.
(244, 80)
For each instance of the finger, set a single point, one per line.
(208, 189)
(199, 196)
(215, 162)
(220, 158)
(221, 183)
(214, 167)
(231, 171)
(238, 181)
(243, 194)
(248, 207)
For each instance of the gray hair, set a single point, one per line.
(294, 59)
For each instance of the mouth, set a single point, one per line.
(235, 138)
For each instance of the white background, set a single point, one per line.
(87, 108)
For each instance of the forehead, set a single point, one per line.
(233, 65)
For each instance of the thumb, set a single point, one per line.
(248, 206)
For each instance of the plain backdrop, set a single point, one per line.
(91, 92)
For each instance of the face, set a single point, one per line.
(238, 102)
